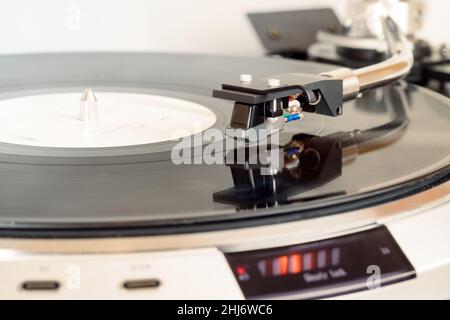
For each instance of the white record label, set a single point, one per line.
(124, 119)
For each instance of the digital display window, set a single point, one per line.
(349, 263)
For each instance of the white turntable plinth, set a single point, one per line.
(124, 119)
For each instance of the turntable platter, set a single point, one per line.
(66, 185)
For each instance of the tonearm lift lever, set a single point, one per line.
(261, 103)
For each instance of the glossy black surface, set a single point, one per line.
(409, 130)
(323, 268)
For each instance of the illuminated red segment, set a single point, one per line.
(240, 270)
(283, 265)
(295, 263)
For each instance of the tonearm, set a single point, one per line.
(262, 103)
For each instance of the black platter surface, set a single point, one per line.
(135, 190)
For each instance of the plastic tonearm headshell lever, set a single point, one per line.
(260, 103)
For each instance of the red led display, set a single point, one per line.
(298, 262)
(304, 270)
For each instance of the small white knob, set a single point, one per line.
(245, 78)
(273, 83)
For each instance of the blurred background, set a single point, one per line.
(202, 26)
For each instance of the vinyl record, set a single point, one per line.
(389, 143)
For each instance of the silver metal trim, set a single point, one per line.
(337, 290)
(245, 238)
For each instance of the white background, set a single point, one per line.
(206, 26)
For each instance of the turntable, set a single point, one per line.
(343, 195)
